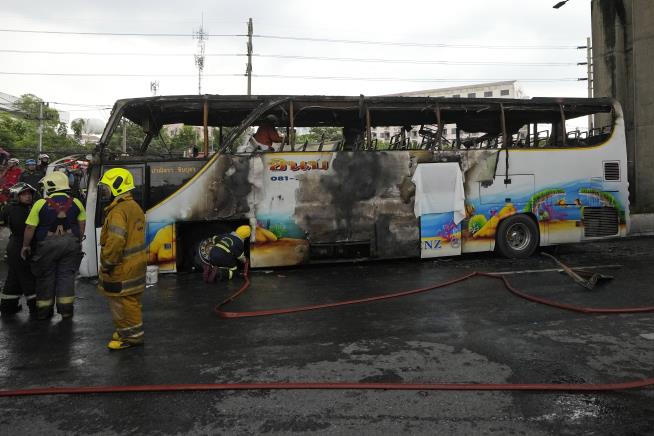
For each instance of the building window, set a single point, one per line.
(472, 95)
(456, 96)
(453, 131)
(488, 93)
(504, 92)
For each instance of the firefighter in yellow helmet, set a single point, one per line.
(123, 259)
(226, 253)
(57, 224)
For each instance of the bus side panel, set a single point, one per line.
(340, 205)
(575, 194)
(161, 243)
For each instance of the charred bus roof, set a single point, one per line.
(481, 115)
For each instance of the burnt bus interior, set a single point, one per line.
(479, 123)
(473, 124)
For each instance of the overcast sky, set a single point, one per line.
(481, 26)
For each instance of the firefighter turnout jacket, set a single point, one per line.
(228, 249)
(56, 215)
(123, 257)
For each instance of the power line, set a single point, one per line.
(58, 32)
(98, 106)
(422, 80)
(416, 44)
(300, 57)
(90, 53)
(13, 73)
(414, 61)
(304, 38)
(282, 76)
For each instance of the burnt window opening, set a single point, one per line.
(357, 124)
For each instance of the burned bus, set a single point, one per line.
(515, 176)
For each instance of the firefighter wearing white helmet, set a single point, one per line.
(20, 280)
(123, 259)
(224, 256)
(56, 223)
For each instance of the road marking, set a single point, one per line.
(531, 271)
(649, 336)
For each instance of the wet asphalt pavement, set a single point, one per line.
(470, 332)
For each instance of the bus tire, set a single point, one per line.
(517, 237)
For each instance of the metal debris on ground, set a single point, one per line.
(587, 279)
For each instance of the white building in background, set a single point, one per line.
(507, 89)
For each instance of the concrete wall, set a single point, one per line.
(623, 43)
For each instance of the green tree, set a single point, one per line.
(12, 130)
(317, 134)
(183, 138)
(77, 126)
(30, 104)
(62, 130)
(20, 131)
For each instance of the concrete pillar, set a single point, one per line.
(623, 37)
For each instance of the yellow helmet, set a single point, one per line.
(119, 180)
(243, 232)
(54, 182)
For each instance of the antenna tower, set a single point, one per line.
(201, 35)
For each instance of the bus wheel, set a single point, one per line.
(517, 237)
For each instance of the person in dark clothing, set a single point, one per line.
(20, 280)
(32, 176)
(57, 224)
(44, 161)
(225, 254)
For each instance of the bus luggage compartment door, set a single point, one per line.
(439, 235)
(440, 205)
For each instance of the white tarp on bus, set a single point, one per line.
(439, 189)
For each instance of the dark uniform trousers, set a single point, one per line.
(55, 266)
(20, 281)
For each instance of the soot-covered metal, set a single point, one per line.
(365, 205)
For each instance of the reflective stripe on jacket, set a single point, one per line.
(123, 257)
(232, 244)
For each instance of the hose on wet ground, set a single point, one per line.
(507, 285)
(537, 387)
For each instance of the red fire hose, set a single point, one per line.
(567, 387)
(509, 287)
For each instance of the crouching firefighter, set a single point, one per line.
(20, 280)
(123, 259)
(225, 254)
(57, 224)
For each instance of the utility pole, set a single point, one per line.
(589, 75)
(124, 136)
(201, 36)
(40, 126)
(248, 67)
(589, 61)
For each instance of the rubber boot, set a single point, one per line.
(9, 307)
(31, 305)
(44, 313)
(65, 310)
(121, 344)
